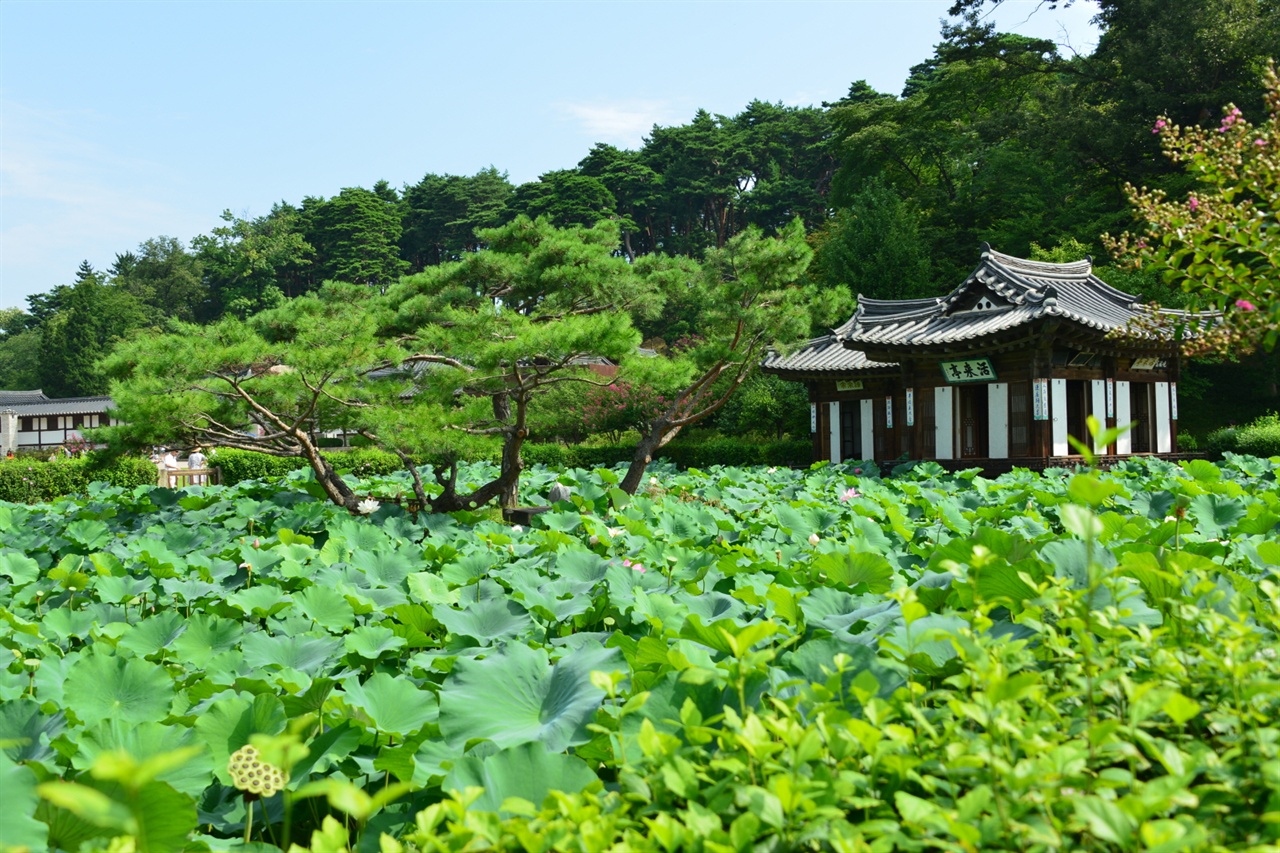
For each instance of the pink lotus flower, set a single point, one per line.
(635, 567)
(849, 494)
(857, 470)
(1246, 305)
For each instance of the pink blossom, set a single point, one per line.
(857, 470)
(1259, 142)
(1161, 124)
(849, 494)
(1246, 305)
(1192, 204)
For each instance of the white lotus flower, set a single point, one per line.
(515, 528)
(814, 539)
(613, 531)
(367, 506)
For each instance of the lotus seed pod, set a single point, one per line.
(250, 773)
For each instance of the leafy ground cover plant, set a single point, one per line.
(731, 659)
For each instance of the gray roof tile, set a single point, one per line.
(822, 355)
(67, 406)
(9, 398)
(1022, 291)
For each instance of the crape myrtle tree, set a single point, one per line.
(750, 296)
(509, 323)
(1221, 242)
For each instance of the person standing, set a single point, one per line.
(197, 460)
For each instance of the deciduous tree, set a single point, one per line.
(1221, 242)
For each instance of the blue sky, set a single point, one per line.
(122, 121)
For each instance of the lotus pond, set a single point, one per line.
(735, 659)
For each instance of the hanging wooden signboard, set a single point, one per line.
(969, 370)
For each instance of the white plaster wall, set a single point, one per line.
(868, 429)
(998, 420)
(1124, 444)
(833, 429)
(1098, 406)
(1164, 428)
(944, 443)
(1058, 417)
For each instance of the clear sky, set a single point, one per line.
(122, 121)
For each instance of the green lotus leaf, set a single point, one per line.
(25, 730)
(147, 740)
(394, 706)
(1215, 515)
(18, 828)
(373, 641)
(260, 601)
(19, 568)
(90, 534)
(309, 654)
(528, 771)
(231, 720)
(383, 568)
(487, 621)
(205, 638)
(516, 696)
(326, 608)
(119, 589)
(153, 634)
(102, 686)
(854, 570)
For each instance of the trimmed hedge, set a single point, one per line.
(240, 465)
(28, 480)
(701, 454)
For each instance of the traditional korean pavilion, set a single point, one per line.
(995, 374)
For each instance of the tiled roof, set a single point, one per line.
(822, 355)
(1017, 292)
(67, 406)
(9, 398)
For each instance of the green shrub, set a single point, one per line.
(31, 480)
(241, 465)
(694, 453)
(1221, 441)
(1260, 438)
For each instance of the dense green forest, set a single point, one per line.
(995, 137)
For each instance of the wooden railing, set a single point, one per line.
(181, 477)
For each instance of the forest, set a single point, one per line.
(994, 138)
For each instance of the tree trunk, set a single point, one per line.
(658, 436)
(334, 486)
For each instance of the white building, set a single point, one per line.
(31, 421)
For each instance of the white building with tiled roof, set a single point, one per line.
(31, 421)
